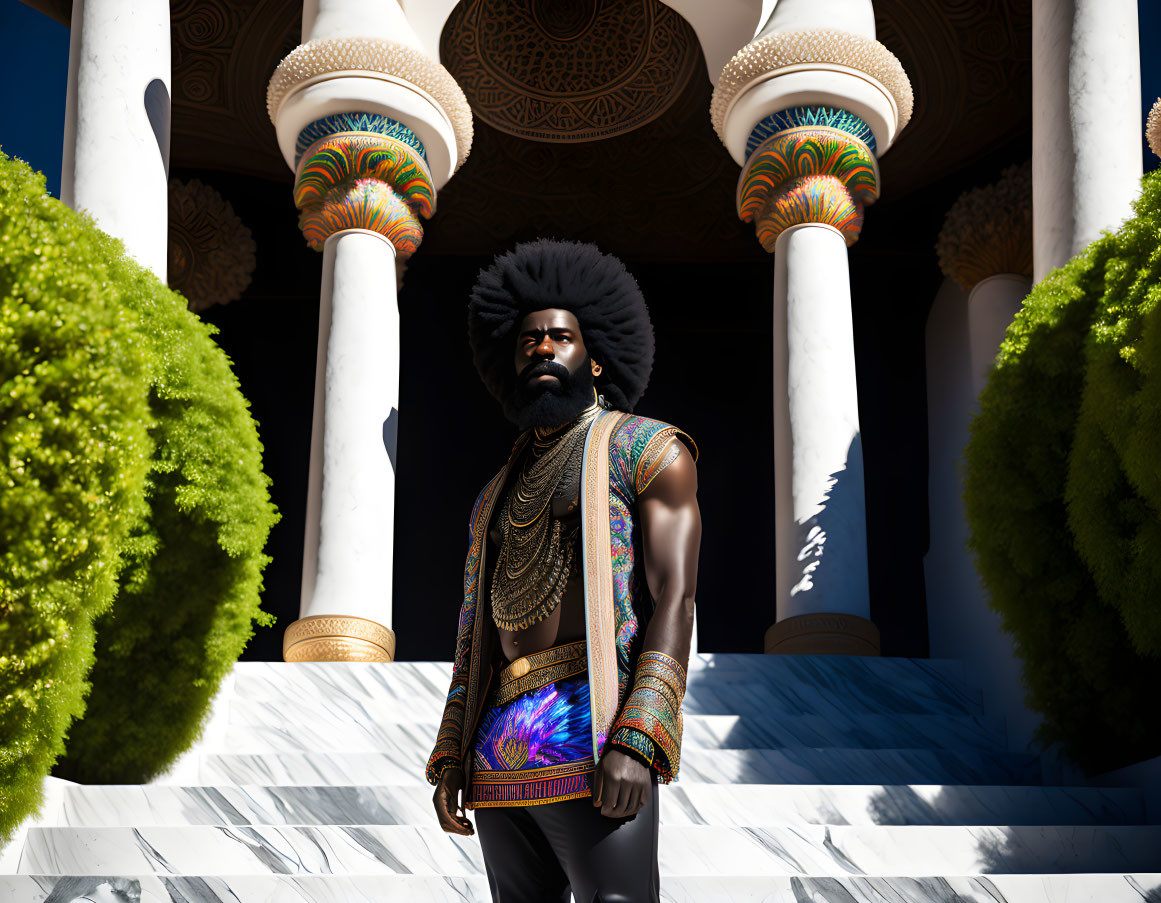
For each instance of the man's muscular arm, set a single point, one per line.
(671, 525)
(671, 536)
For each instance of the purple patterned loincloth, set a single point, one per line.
(535, 749)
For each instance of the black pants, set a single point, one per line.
(534, 854)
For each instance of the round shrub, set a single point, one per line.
(1044, 482)
(74, 452)
(189, 594)
(1114, 481)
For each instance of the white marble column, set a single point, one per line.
(372, 127)
(347, 565)
(991, 307)
(805, 109)
(115, 163)
(985, 250)
(1086, 129)
(820, 511)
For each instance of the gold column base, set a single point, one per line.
(337, 638)
(823, 634)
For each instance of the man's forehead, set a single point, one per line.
(549, 318)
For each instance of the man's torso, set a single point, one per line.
(566, 622)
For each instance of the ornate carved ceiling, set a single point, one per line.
(224, 52)
(568, 70)
(664, 189)
(970, 62)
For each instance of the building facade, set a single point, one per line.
(775, 174)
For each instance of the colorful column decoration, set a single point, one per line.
(115, 163)
(372, 128)
(1153, 128)
(373, 178)
(1086, 120)
(985, 251)
(808, 165)
(805, 112)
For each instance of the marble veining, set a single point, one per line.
(245, 850)
(743, 805)
(805, 685)
(1145, 888)
(753, 805)
(256, 727)
(727, 766)
(684, 850)
(813, 779)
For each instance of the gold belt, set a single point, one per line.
(531, 672)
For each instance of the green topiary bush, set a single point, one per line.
(74, 452)
(1062, 499)
(130, 471)
(189, 594)
(1114, 481)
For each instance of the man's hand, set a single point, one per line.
(447, 803)
(620, 784)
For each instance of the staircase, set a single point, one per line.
(826, 779)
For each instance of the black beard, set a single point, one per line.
(532, 404)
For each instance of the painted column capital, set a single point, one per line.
(377, 77)
(988, 231)
(808, 165)
(1153, 128)
(806, 114)
(818, 67)
(364, 172)
(372, 128)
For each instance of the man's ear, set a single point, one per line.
(595, 366)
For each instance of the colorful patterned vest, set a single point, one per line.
(623, 454)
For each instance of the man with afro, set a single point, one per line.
(564, 710)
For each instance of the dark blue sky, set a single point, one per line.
(34, 72)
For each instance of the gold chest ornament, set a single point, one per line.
(536, 550)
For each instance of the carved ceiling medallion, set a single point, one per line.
(568, 70)
(211, 252)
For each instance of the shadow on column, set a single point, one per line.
(842, 523)
(839, 583)
(158, 112)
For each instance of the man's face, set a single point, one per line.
(547, 338)
(554, 379)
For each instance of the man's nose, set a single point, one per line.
(545, 349)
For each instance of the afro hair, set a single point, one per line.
(596, 288)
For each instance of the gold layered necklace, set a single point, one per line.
(536, 552)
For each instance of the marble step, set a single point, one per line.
(742, 805)
(261, 727)
(1112, 888)
(727, 766)
(807, 850)
(784, 684)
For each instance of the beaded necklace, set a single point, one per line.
(536, 551)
